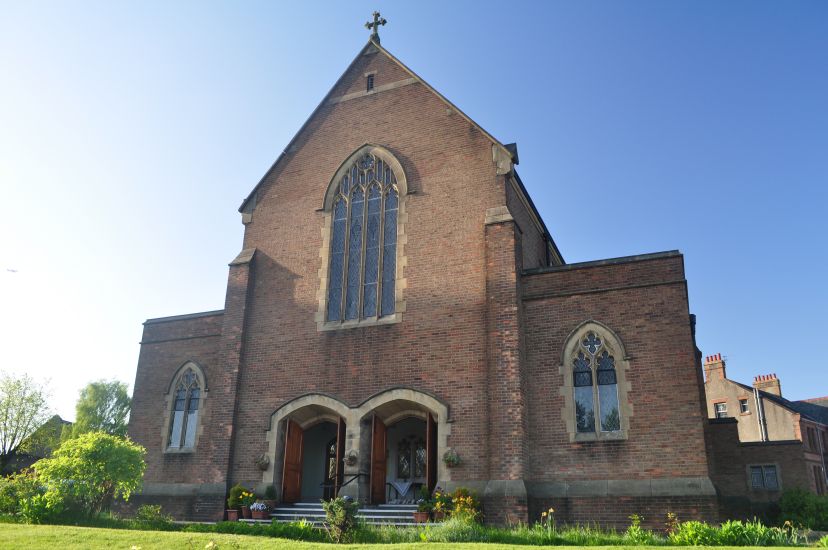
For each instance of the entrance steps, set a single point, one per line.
(383, 514)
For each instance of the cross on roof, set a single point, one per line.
(375, 25)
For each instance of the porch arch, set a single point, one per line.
(307, 411)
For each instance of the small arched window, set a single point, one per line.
(595, 391)
(185, 410)
(363, 250)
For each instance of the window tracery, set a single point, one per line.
(362, 269)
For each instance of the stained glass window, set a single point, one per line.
(184, 421)
(419, 458)
(595, 386)
(363, 262)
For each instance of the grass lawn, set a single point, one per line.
(68, 538)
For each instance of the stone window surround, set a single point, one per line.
(616, 347)
(324, 252)
(169, 402)
(329, 408)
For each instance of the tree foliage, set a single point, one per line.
(23, 409)
(88, 471)
(103, 406)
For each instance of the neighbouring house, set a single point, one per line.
(38, 445)
(762, 442)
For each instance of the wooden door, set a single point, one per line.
(431, 453)
(378, 462)
(292, 471)
(340, 455)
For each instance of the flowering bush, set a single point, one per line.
(466, 506)
(247, 498)
(424, 505)
(548, 519)
(442, 501)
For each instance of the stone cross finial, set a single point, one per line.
(374, 27)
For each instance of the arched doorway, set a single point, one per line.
(308, 447)
(403, 452)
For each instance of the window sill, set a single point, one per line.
(369, 322)
(180, 451)
(601, 436)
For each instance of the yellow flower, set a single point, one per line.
(543, 515)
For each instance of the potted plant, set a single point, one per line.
(424, 508)
(451, 459)
(246, 499)
(234, 502)
(270, 497)
(260, 510)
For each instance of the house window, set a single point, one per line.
(764, 478)
(185, 410)
(812, 444)
(363, 250)
(369, 83)
(819, 480)
(721, 410)
(595, 386)
(743, 406)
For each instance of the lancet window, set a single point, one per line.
(185, 409)
(363, 260)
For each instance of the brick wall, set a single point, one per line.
(645, 303)
(165, 346)
(439, 347)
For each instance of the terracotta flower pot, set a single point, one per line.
(232, 515)
(420, 517)
(260, 514)
(245, 510)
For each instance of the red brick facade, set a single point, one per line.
(487, 310)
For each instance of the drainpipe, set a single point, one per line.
(822, 454)
(760, 415)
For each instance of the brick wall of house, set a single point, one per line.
(729, 462)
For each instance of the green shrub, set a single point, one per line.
(26, 497)
(804, 509)
(234, 498)
(8, 496)
(150, 516)
(693, 533)
(88, 472)
(823, 542)
(340, 517)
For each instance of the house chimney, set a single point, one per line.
(714, 367)
(769, 383)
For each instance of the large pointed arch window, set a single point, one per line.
(595, 389)
(363, 251)
(186, 405)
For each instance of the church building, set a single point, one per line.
(398, 316)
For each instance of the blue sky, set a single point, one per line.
(130, 133)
